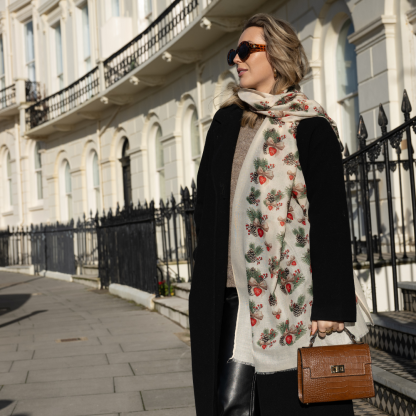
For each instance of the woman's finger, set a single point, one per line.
(314, 327)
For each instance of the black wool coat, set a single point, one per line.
(330, 245)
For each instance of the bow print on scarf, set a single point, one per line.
(270, 253)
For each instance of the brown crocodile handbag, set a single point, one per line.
(338, 372)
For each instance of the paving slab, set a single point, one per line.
(153, 381)
(168, 398)
(162, 366)
(76, 349)
(149, 355)
(80, 373)
(17, 377)
(54, 343)
(181, 411)
(57, 389)
(99, 404)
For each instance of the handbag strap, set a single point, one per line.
(352, 337)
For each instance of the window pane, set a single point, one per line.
(346, 62)
(38, 160)
(68, 184)
(9, 165)
(115, 8)
(69, 206)
(97, 200)
(197, 162)
(85, 32)
(162, 184)
(147, 7)
(58, 49)
(95, 174)
(10, 192)
(1, 57)
(39, 184)
(159, 149)
(195, 142)
(350, 116)
(29, 40)
(31, 72)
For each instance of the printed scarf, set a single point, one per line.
(270, 253)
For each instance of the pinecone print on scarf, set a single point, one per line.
(253, 197)
(264, 105)
(268, 246)
(293, 129)
(298, 307)
(273, 142)
(262, 171)
(267, 338)
(301, 239)
(272, 199)
(253, 254)
(290, 334)
(277, 121)
(272, 299)
(286, 99)
(292, 159)
(300, 106)
(273, 266)
(256, 280)
(258, 224)
(288, 284)
(256, 315)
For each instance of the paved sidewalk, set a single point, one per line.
(128, 361)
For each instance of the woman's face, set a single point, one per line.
(256, 72)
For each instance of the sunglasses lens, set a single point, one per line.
(231, 56)
(243, 51)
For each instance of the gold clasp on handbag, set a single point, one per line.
(337, 369)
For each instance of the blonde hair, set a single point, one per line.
(285, 54)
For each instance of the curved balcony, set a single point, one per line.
(175, 38)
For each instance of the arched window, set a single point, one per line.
(38, 172)
(347, 86)
(93, 182)
(66, 192)
(9, 180)
(195, 144)
(160, 164)
(125, 163)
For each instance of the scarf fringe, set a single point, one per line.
(234, 360)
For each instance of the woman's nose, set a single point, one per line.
(236, 59)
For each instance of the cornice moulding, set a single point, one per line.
(384, 23)
(50, 4)
(17, 5)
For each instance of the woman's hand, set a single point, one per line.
(323, 326)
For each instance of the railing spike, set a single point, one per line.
(193, 185)
(186, 193)
(161, 203)
(362, 132)
(152, 204)
(382, 119)
(346, 150)
(406, 106)
(145, 204)
(172, 200)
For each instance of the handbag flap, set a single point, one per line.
(337, 360)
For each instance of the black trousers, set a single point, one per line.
(242, 392)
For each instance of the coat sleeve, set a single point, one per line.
(202, 177)
(330, 242)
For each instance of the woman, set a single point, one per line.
(271, 205)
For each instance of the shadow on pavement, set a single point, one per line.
(6, 403)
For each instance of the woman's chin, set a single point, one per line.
(246, 84)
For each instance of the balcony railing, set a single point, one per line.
(32, 91)
(160, 32)
(7, 96)
(63, 101)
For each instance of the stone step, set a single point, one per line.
(394, 332)
(182, 290)
(174, 308)
(90, 270)
(409, 295)
(87, 280)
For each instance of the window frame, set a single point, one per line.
(66, 200)
(38, 172)
(8, 173)
(28, 63)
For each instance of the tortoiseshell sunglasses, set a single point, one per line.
(244, 49)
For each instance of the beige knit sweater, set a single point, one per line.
(245, 137)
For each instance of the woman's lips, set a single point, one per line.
(240, 73)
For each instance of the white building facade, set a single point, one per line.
(109, 101)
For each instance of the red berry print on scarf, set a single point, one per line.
(273, 199)
(253, 254)
(258, 224)
(290, 333)
(273, 142)
(267, 338)
(256, 315)
(268, 246)
(299, 306)
(256, 281)
(263, 171)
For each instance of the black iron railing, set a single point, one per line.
(160, 32)
(64, 100)
(7, 96)
(32, 91)
(380, 186)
